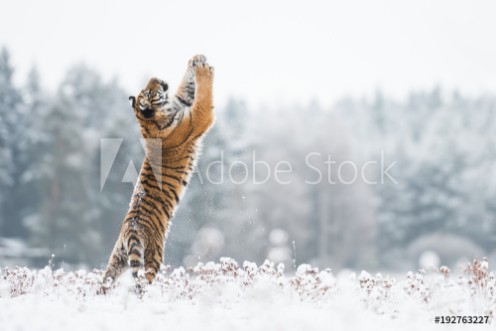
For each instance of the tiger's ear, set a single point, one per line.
(132, 101)
(165, 86)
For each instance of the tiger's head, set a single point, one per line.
(152, 102)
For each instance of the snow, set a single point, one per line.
(226, 296)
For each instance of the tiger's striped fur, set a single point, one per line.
(172, 130)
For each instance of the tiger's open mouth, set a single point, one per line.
(147, 112)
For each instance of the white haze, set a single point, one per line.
(264, 51)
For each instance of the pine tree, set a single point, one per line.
(70, 221)
(14, 125)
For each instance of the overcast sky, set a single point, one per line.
(262, 50)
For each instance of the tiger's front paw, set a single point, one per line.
(204, 73)
(196, 60)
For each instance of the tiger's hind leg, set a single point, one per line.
(116, 266)
(153, 258)
(135, 259)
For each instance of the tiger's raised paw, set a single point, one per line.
(204, 73)
(196, 60)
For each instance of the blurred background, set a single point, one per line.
(400, 95)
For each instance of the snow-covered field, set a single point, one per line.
(225, 296)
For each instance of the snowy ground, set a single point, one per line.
(225, 296)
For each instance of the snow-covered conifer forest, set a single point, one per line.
(422, 191)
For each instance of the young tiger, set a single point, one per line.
(172, 130)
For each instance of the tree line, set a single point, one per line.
(441, 143)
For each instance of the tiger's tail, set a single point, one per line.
(135, 255)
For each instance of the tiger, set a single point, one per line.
(172, 131)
